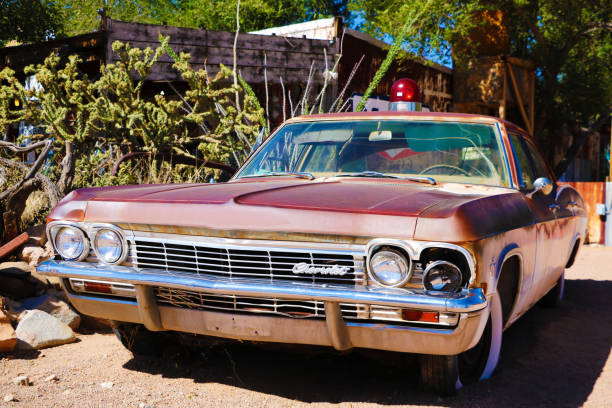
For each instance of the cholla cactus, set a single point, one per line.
(110, 116)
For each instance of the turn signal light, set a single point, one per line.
(419, 316)
(98, 287)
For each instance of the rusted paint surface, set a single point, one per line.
(592, 193)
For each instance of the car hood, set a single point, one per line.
(324, 209)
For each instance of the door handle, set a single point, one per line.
(572, 204)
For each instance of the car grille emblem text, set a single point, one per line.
(303, 268)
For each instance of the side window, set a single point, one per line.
(538, 162)
(526, 172)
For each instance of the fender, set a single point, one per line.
(509, 251)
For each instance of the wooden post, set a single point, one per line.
(502, 105)
(519, 100)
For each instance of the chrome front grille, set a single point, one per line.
(277, 264)
(288, 308)
(296, 309)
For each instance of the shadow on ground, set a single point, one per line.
(550, 357)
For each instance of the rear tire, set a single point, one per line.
(555, 295)
(445, 375)
(137, 339)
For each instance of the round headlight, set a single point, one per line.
(442, 276)
(108, 246)
(389, 267)
(70, 243)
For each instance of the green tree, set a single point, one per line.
(28, 20)
(570, 41)
(80, 16)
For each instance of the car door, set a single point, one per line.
(544, 209)
(564, 206)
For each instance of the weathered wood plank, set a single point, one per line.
(253, 75)
(122, 31)
(246, 57)
(13, 244)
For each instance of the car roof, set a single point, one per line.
(441, 116)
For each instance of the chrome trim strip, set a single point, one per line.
(468, 300)
(232, 243)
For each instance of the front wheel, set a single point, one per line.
(137, 339)
(444, 375)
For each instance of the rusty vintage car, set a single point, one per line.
(414, 232)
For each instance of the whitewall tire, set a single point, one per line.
(444, 375)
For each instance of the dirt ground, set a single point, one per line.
(550, 357)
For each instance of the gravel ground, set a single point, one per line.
(550, 357)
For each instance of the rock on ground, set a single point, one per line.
(22, 380)
(35, 254)
(8, 338)
(55, 307)
(39, 329)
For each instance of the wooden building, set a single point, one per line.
(290, 55)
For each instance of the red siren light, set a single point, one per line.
(405, 95)
(405, 90)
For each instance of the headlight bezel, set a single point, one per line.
(55, 228)
(435, 264)
(96, 230)
(398, 247)
(89, 231)
(423, 252)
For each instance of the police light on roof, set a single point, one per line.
(405, 96)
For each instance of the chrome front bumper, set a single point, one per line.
(471, 305)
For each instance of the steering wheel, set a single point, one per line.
(436, 166)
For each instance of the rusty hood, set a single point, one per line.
(278, 208)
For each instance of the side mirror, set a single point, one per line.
(541, 185)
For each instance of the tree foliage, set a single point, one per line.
(570, 42)
(28, 20)
(82, 15)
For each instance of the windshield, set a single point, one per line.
(446, 151)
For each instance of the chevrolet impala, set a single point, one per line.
(405, 231)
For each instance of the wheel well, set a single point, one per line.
(507, 285)
(572, 257)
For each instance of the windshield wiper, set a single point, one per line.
(282, 173)
(428, 180)
(367, 174)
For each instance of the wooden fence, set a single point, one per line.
(593, 193)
